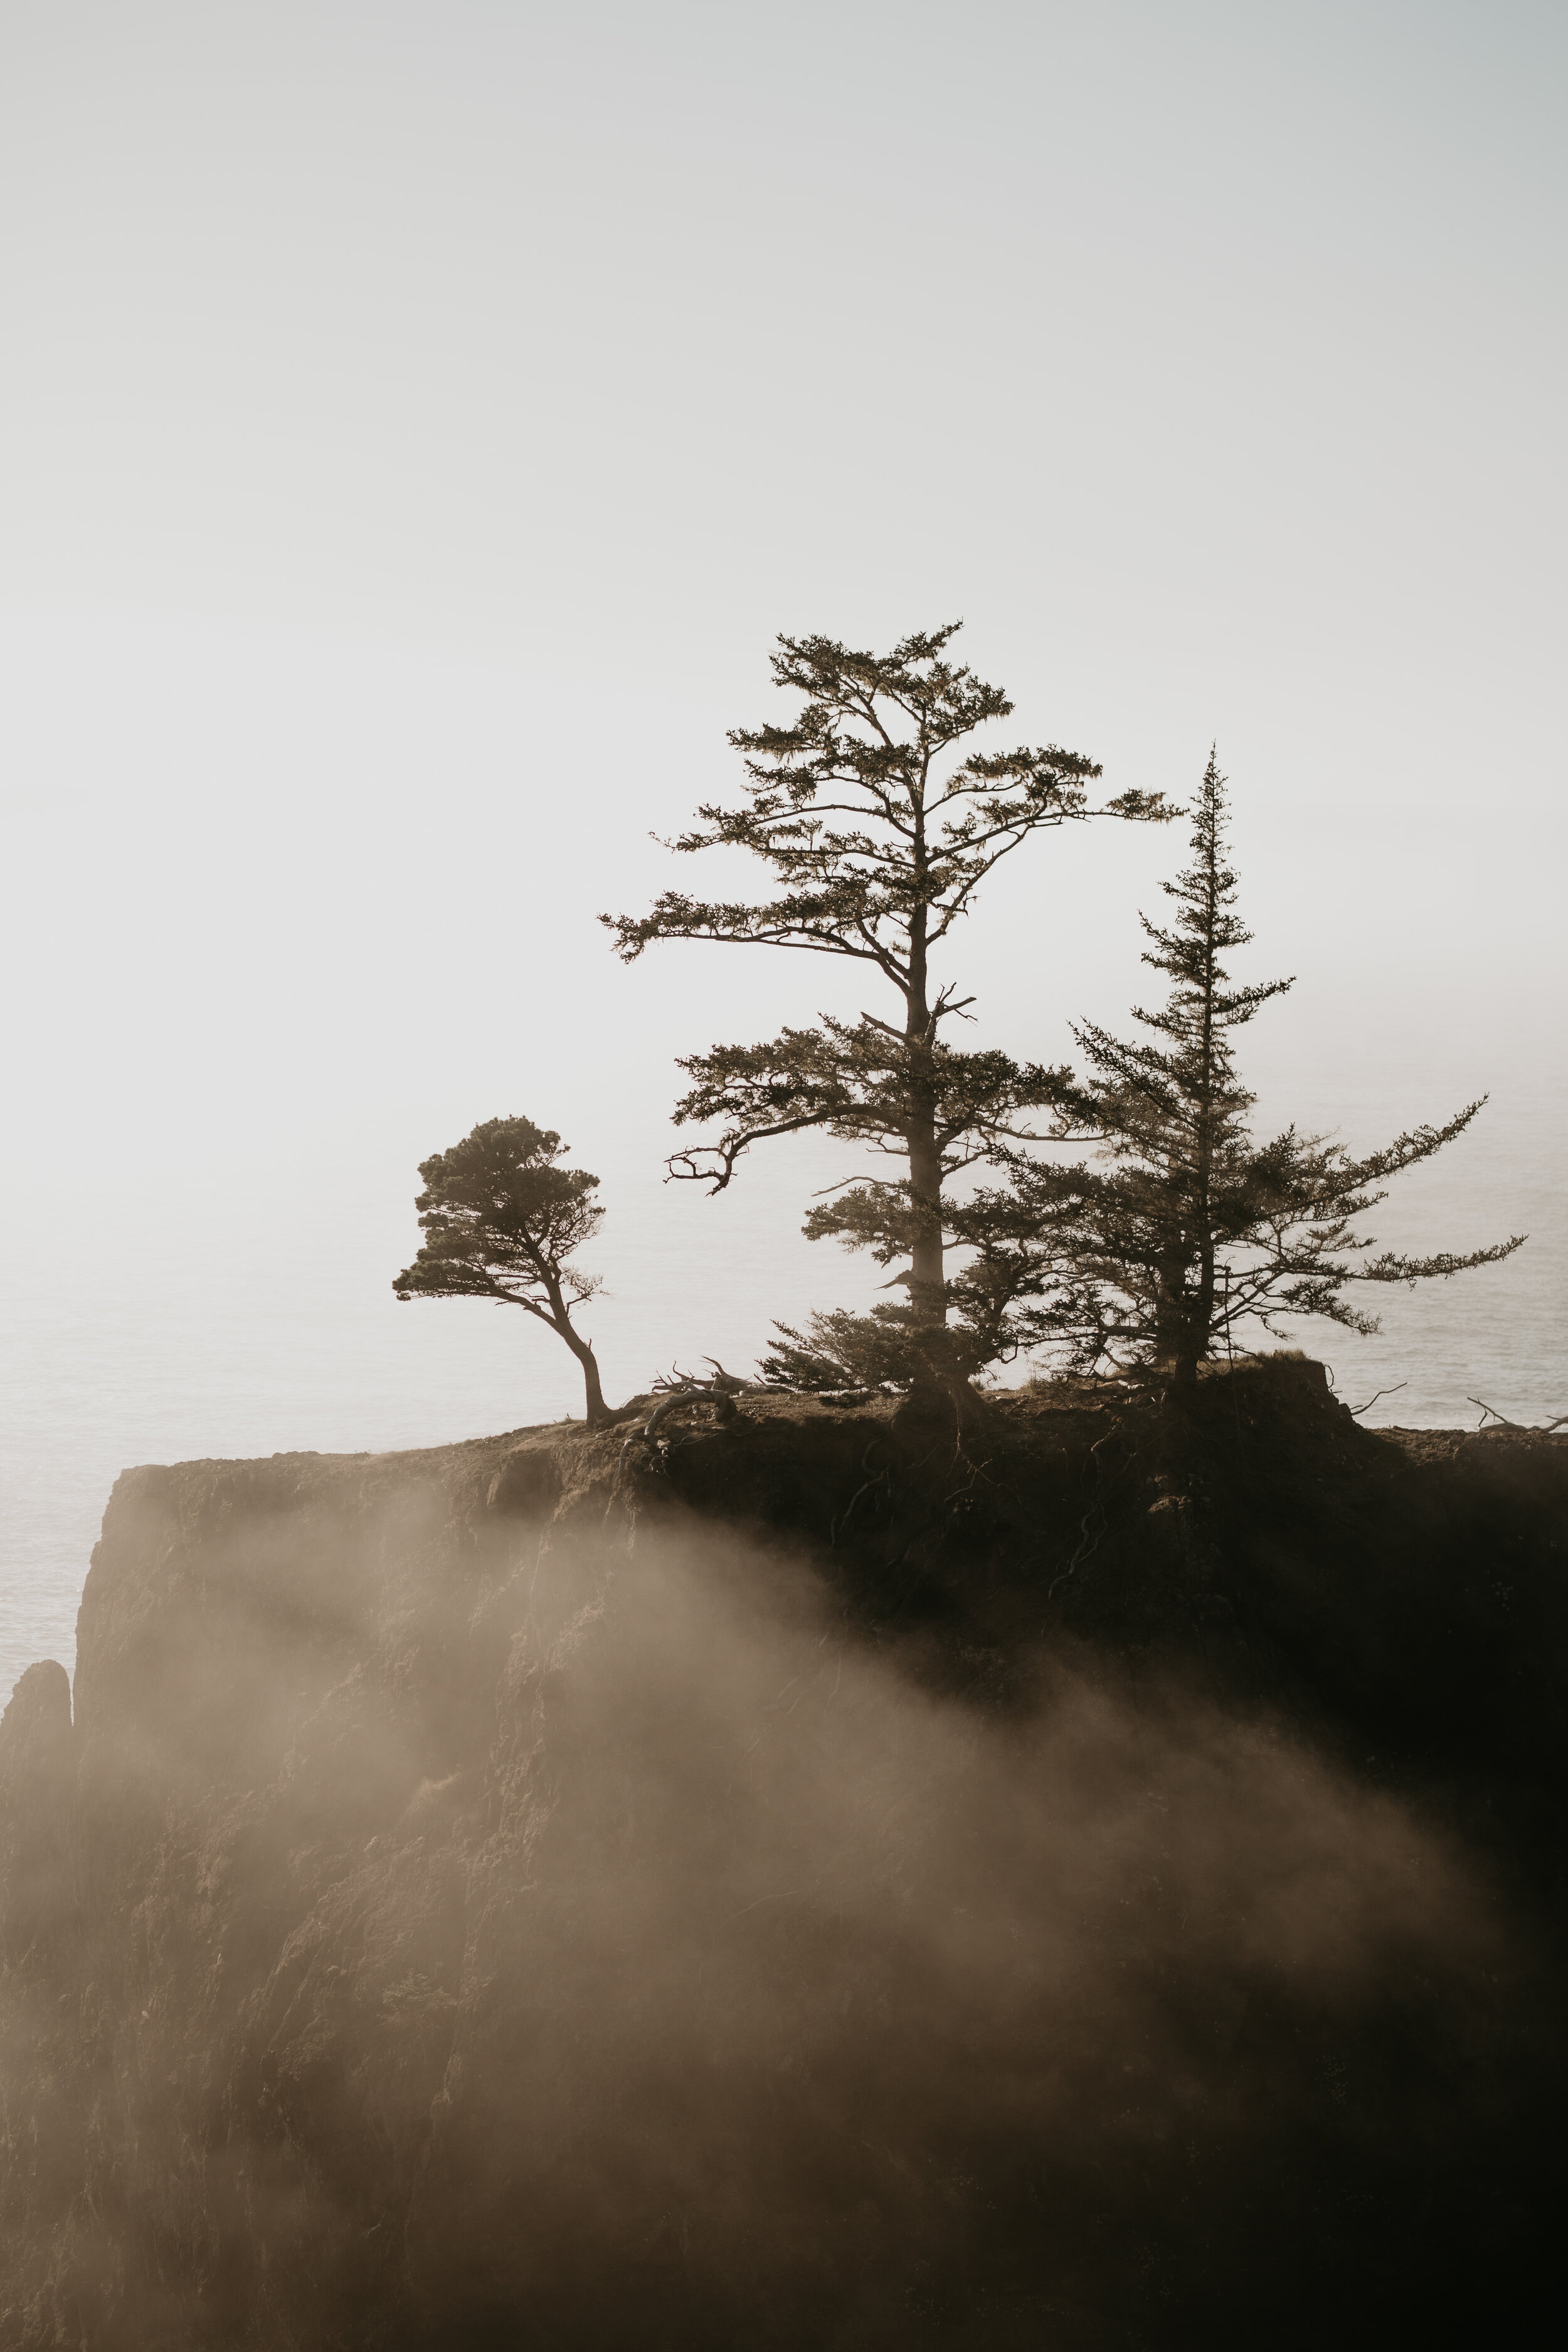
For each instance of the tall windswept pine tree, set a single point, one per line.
(1186, 1229)
(879, 829)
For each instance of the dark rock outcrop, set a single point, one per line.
(813, 1883)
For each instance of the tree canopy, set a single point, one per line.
(501, 1219)
(878, 822)
(879, 828)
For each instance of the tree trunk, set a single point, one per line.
(560, 1319)
(597, 1410)
(1177, 1341)
(1190, 1336)
(1200, 1320)
(928, 1289)
(1200, 1310)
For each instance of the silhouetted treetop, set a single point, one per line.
(501, 1220)
(855, 819)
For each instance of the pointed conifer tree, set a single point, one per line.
(1186, 1229)
(879, 828)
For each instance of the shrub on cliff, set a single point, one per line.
(500, 1220)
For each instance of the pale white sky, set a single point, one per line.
(416, 421)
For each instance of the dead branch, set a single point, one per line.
(680, 1393)
(723, 1409)
(1356, 1409)
(1533, 1428)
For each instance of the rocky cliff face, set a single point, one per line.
(808, 1885)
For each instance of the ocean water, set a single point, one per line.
(255, 1315)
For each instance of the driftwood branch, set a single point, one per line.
(677, 1392)
(679, 1400)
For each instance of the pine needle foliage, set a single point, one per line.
(879, 826)
(501, 1219)
(1003, 1270)
(892, 1347)
(1186, 1230)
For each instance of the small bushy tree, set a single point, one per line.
(501, 1219)
(1185, 1228)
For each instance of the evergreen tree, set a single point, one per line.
(1006, 1270)
(1186, 1229)
(879, 830)
(500, 1220)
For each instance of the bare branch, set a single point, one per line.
(1357, 1410)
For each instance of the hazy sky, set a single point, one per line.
(417, 420)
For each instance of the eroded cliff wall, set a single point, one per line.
(814, 1885)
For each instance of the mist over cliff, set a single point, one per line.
(812, 1883)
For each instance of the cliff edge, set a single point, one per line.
(811, 1881)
